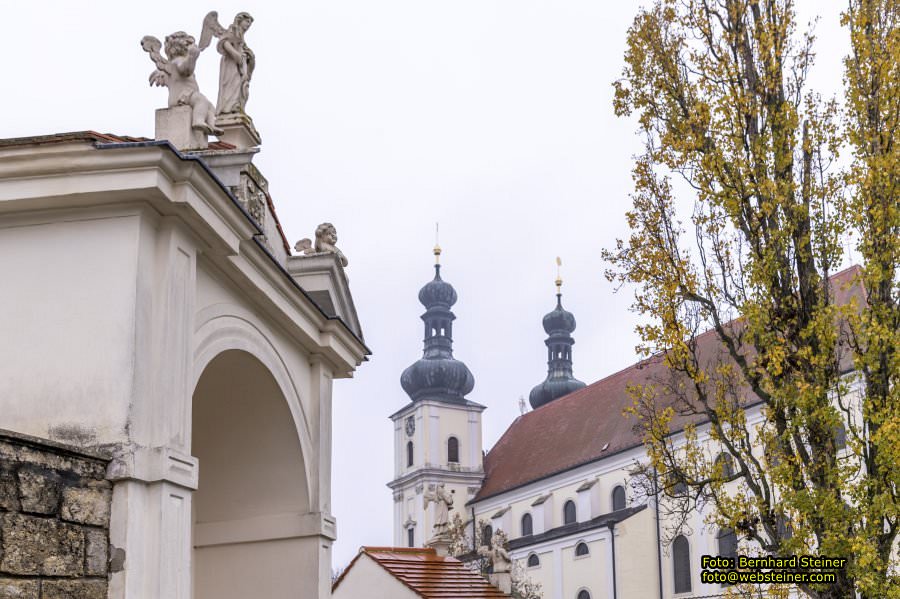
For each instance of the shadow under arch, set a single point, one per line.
(252, 483)
(223, 327)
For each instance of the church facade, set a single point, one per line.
(558, 483)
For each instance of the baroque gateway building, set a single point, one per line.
(558, 481)
(166, 366)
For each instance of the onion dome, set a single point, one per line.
(559, 325)
(437, 375)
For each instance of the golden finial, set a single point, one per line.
(437, 245)
(558, 276)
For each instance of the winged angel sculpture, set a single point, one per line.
(176, 71)
(238, 60)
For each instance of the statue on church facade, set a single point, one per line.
(443, 503)
(326, 238)
(176, 71)
(237, 64)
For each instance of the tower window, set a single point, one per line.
(618, 498)
(569, 516)
(584, 595)
(534, 561)
(453, 450)
(681, 561)
(411, 536)
(409, 454)
(581, 549)
(527, 528)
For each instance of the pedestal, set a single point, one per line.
(174, 124)
(239, 130)
(502, 581)
(440, 544)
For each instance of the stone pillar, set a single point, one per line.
(150, 528)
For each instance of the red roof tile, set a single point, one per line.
(428, 574)
(589, 424)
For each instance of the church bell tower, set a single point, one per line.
(437, 435)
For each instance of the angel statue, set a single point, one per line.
(237, 63)
(176, 71)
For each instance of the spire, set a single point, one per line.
(437, 375)
(559, 325)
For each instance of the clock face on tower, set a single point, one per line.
(410, 426)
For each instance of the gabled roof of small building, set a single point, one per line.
(589, 424)
(428, 574)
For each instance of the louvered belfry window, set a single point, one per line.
(453, 450)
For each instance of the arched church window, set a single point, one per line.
(584, 595)
(727, 542)
(534, 561)
(411, 536)
(681, 561)
(409, 454)
(527, 528)
(487, 534)
(726, 463)
(840, 437)
(581, 549)
(453, 450)
(675, 485)
(618, 498)
(569, 515)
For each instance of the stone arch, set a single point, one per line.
(221, 328)
(250, 513)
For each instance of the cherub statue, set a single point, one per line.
(176, 71)
(443, 503)
(237, 64)
(326, 238)
(500, 560)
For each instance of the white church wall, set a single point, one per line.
(587, 572)
(636, 558)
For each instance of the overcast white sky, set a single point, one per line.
(492, 117)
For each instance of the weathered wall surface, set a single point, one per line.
(54, 521)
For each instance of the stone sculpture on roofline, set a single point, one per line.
(190, 116)
(326, 238)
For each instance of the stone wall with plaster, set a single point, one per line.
(54, 521)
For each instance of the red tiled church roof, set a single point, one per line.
(587, 425)
(428, 574)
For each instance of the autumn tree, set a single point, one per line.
(783, 378)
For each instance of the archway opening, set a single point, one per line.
(252, 485)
